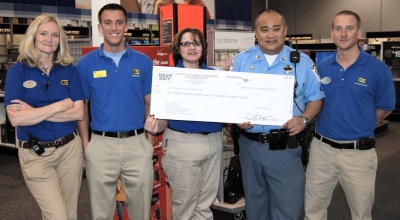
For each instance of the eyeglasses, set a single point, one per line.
(188, 43)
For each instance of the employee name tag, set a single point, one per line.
(99, 74)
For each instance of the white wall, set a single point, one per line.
(97, 37)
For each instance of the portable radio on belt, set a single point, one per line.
(34, 144)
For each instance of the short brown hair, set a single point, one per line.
(177, 43)
(112, 7)
(350, 13)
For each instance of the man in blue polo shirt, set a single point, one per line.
(359, 93)
(117, 81)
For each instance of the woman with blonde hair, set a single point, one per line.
(43, 99)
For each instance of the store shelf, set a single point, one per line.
(75, 47)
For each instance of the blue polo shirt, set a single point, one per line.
(252, 60)
(29, 85)
(194, 126)
(116, 93)
(353, 96)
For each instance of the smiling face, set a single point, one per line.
(345, 32)
(270, 32)
(191, 54)
(47, 38)
(113, 27)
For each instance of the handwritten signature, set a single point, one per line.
(259, 117)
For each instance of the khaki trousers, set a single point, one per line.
(192, 164)
(54, 179)
(354, 169)
(107, 158)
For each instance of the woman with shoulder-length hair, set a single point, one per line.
(43, 99)
(193, 149)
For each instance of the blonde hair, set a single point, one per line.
(27, 49)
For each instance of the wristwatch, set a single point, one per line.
(305, 119)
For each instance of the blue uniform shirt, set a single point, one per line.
(253, 60)
(37, 89)
(353, 96)
(194, 126)
(116, 93)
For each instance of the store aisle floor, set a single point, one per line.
(16, 203)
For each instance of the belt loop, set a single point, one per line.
(136, 132)
(320, 137)
(21, 144)
(103, 134)
(355, 145)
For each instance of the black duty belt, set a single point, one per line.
(360, 144)
(185, 132)
(123, 134)
(278, 139)
(57, 143)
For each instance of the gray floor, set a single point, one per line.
(16, 203)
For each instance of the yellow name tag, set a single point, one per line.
(99, 74)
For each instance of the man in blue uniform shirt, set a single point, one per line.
(273, 175)
(117, 81)
(359, 95)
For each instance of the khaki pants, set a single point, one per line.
(354, 169)
(192, 164)
(107, 158)
(54, 179)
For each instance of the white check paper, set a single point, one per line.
(221, 96)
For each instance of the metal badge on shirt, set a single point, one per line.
(287, 69)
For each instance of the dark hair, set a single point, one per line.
(350, 13)
(177, 43)
(270, 11)
(113, 7)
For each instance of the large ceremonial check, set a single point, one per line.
(221, 96)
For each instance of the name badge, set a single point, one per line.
(99, 74)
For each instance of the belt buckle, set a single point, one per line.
(123, 134)
(61, 139)
(59, 142)
(263, 138)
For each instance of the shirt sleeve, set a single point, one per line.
(75, 87)
(14, 85)
(83, 78)
(385, 92)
